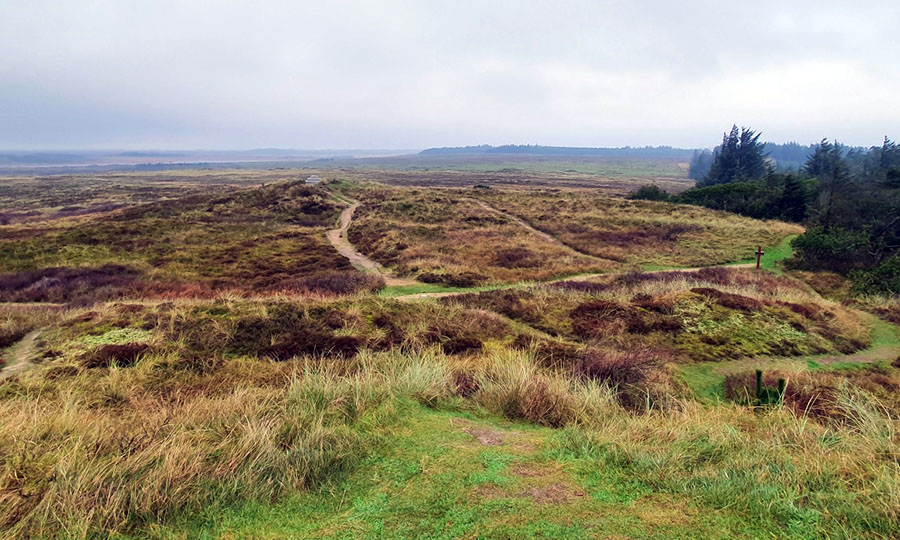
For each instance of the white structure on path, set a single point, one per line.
(313, 180)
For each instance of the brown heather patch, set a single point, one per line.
(599, 318)
(465, 383)
(729, 300)
(551, 353)
(124, 355)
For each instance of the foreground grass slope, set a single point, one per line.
(371, 417)
(218, 371)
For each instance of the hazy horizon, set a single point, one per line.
(196, 76)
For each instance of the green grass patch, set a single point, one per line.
(773, 257)
(706, 378)
(433, 479)
(118, 336)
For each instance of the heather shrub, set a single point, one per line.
(824, 395)
(636, 376)
(340, 282)
(123, 355)
(518, 257)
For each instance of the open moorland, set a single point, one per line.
(487, 236)
(612, 175)
(236, 354)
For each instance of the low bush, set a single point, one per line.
(339, 282)
(551, 353)
(61, 284)
(636, 376)
(729, 300)
(650, 192)
(461, 345)
(518, 257)
(599, 318)
(309, 342)
(462, 279)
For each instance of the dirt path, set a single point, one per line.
(19, 355)
(338, 239)
(525, 225)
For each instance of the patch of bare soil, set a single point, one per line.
(552, 493)
(484, 435)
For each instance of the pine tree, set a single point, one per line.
(701, 161)
(739, 159)
(794, 199)
(831, 171)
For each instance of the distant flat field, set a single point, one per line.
(615, 175)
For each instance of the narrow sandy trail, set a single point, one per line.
(338, 239)
(525, 225)
(20, 354)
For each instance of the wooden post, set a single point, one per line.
(759, 385)
(759, 254)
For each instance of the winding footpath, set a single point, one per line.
(20, 354)
(338, 239)
(529, 227)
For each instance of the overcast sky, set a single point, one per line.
(188, 74)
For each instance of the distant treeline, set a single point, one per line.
(528, 149)
(783, 157)
(849, 198)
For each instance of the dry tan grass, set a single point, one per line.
(642, 233)
(427, 231)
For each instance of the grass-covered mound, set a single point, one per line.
(710, 314)
(439, 237)
(262, 240)
(212, 331)
(190, 418)
(645, 233)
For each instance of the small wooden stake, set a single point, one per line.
(759, 254)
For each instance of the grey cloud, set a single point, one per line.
(415, 74)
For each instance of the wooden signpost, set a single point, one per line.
(759, 254)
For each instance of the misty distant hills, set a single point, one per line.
(26, 161)
(528, 149)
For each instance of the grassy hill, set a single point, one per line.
(208, 366)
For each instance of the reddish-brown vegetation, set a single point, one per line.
(122, 355)
(818, 394)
